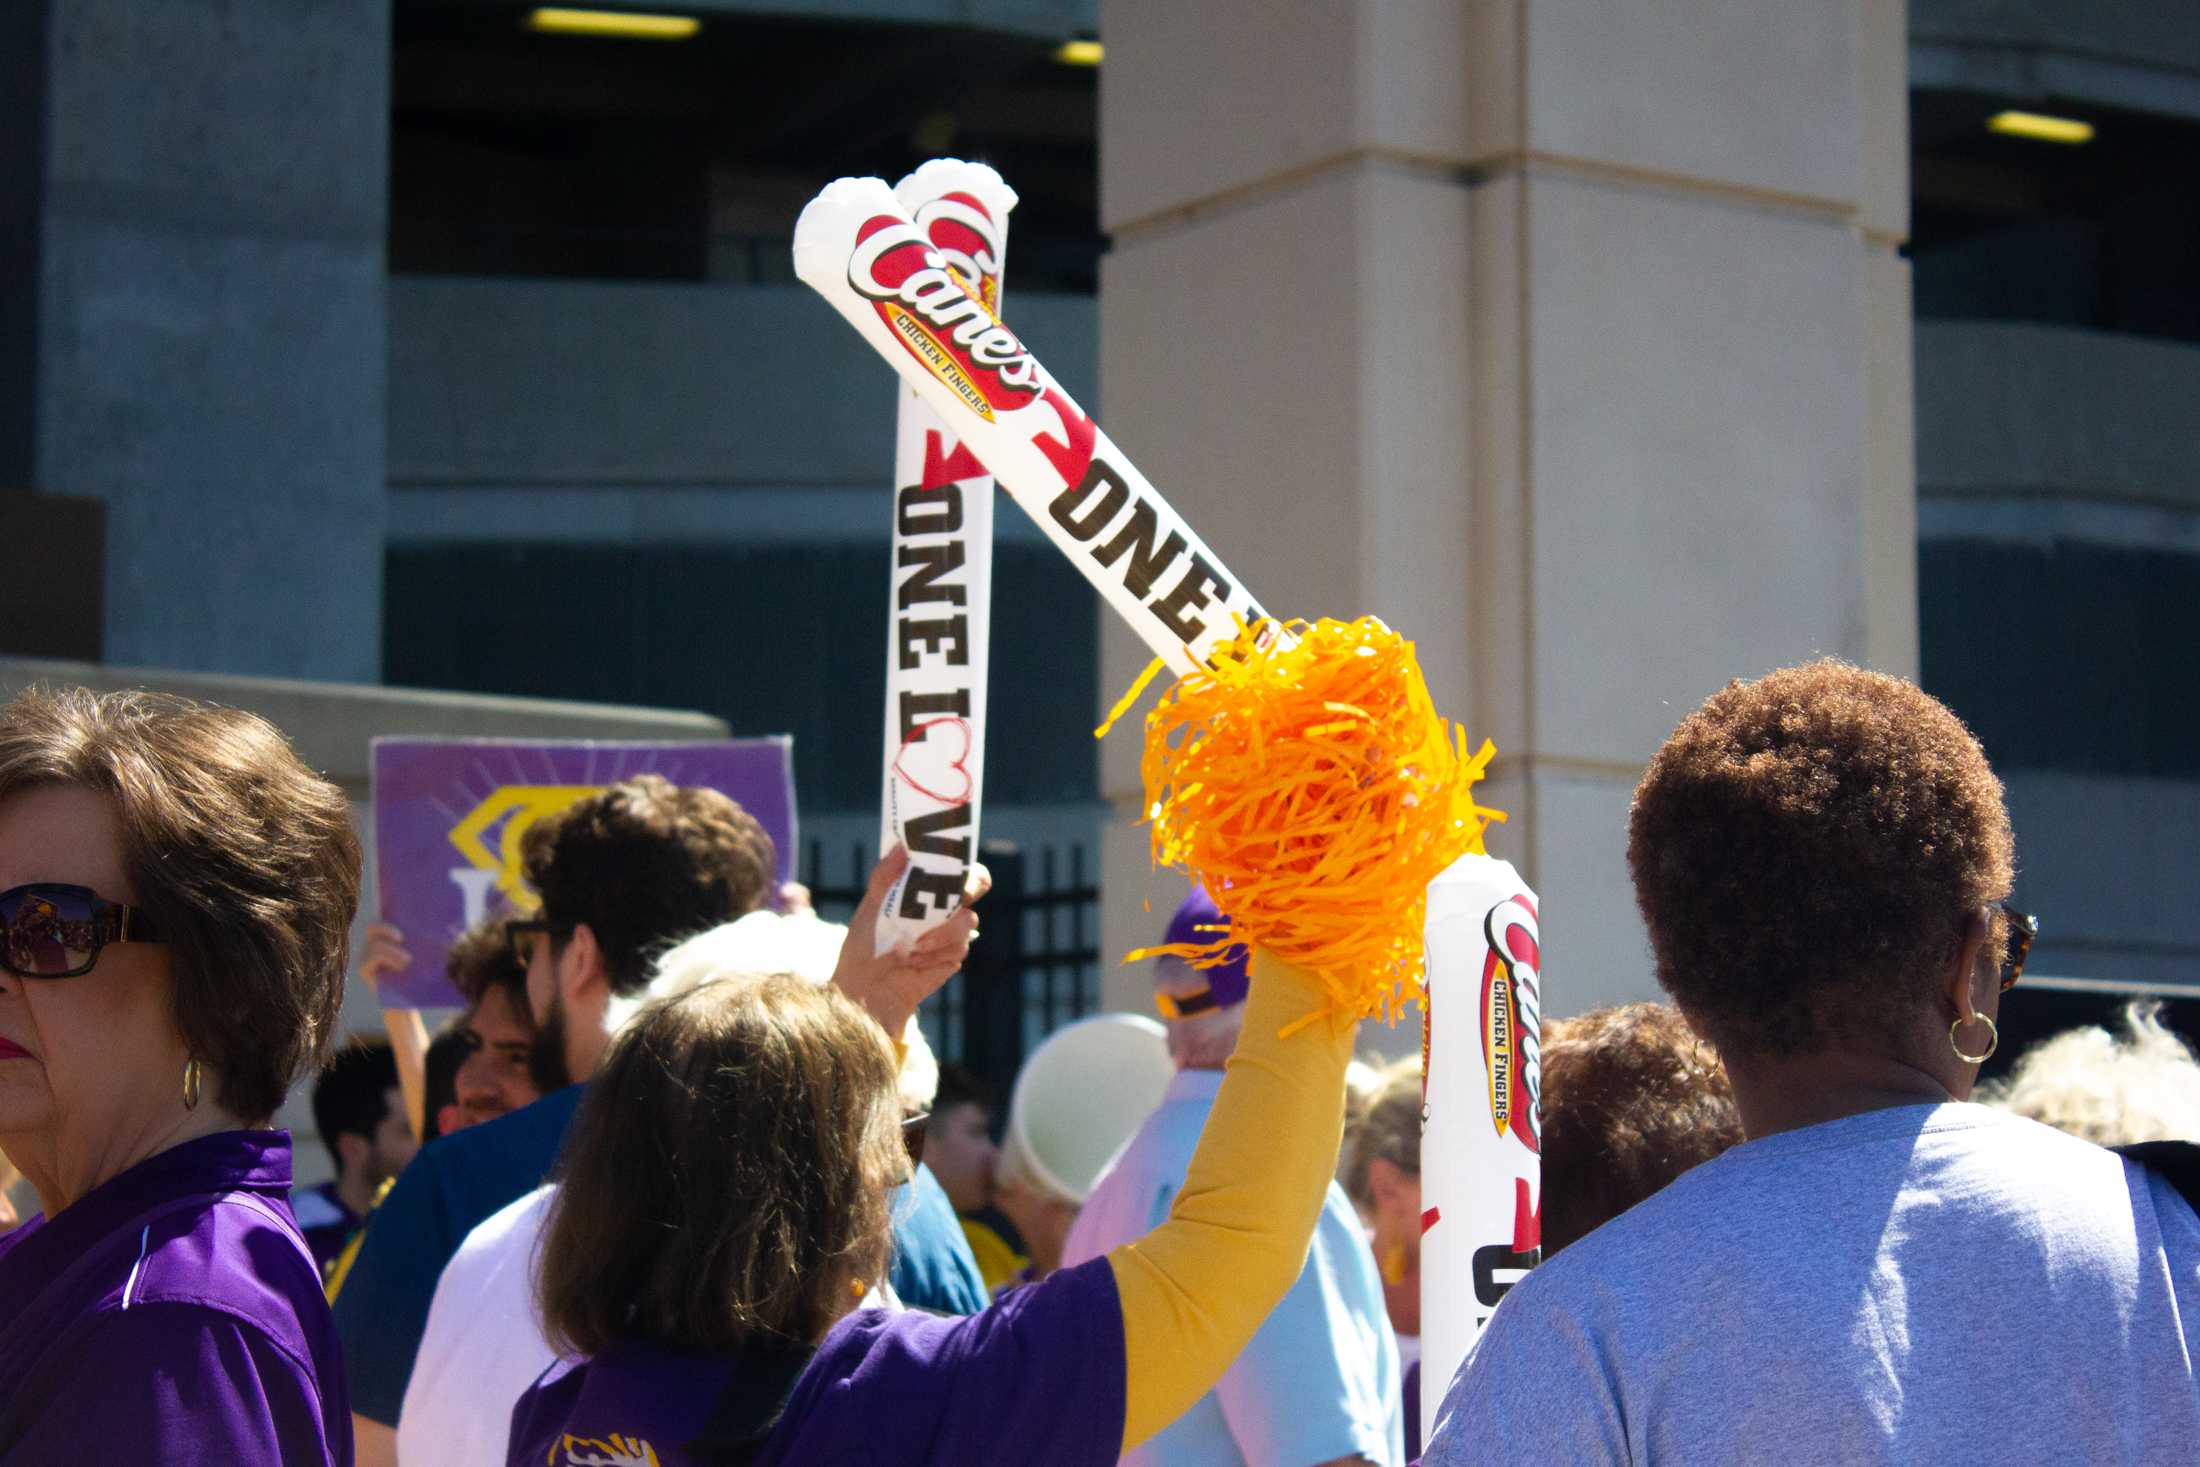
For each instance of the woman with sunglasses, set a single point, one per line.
(724, 1209)
(1882, 1272)
(175, 894)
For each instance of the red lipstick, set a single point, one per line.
(9, 1049)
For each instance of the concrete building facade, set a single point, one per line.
(1611, 349)
(1560, 335)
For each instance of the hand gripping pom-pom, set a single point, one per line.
(1307, 781)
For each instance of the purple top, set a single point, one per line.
(172, 1315)
(1037, 1377)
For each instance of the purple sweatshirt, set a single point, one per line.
(172, 1315)
(1037, 1377)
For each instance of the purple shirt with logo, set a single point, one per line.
(1038, 1377)
(172, 1315)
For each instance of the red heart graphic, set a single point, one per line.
(960, 764)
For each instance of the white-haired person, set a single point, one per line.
(2114, 1089)
(1320, 1381)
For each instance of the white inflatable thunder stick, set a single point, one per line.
(859, 248)
(939, 613)
(1481, 1116)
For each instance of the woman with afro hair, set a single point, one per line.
(1882, 1271)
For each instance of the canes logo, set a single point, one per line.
(968, 239)
(1512, 1020)
(940, 319)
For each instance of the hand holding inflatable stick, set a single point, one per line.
(1299, 771)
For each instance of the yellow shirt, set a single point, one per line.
(997, 1262)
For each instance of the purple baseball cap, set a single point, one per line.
(1227, 980)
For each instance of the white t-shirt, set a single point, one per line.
(483, 1346)
(1921, 1284)
(1320, 1379)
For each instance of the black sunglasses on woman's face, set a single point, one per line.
(52, 930)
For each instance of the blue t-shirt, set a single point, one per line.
(453, 1185)
(1320, 1379)
(1926, 1283)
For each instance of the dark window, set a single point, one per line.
(2075, 656)
(2101, 235)
(513, 153)
(775, 639)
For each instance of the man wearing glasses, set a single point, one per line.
(623, 875)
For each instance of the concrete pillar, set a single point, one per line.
(1567, 335)
(207, 285)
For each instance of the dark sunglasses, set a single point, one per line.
(56, 931)
(912, 1137)
(2023, 927)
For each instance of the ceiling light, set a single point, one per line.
(629, 25)
(1078, 53)
(2040, 127)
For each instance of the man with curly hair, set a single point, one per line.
(1882, 1271)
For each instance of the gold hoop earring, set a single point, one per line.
(1993, 1039)
(191, 1084)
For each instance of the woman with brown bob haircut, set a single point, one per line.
(723, 1209)
(682, 1236)
(176, 889)
(1881, 1272)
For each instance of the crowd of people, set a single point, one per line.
(688, 1187)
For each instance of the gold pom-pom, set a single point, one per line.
(1307, 781)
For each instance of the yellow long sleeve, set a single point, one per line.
(1196, 1288)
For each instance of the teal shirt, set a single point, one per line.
(933, 1266)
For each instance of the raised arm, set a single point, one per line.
(1195, 1289)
